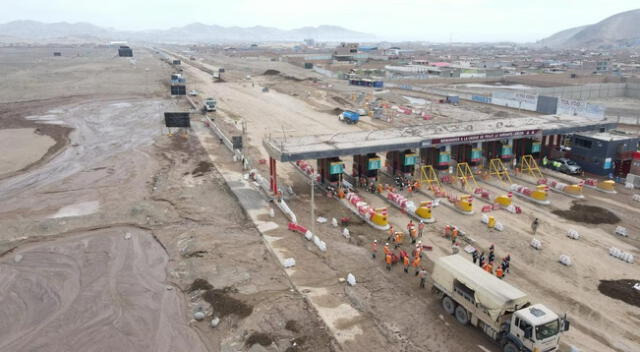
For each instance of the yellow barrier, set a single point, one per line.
(530, 166)
(497, 168)
(465, 176)
(608, 185)
(424, 210)
(504, 200)
(465, 203)
(540, 193)
(380, 218)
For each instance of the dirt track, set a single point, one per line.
(118, 172)
(74, 294)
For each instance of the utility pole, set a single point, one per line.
(313, 203)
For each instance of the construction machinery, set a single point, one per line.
(504, 313)
(349, 117)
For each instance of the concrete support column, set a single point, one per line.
(273, 176)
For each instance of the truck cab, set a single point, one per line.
(535, 328)
(210, 104)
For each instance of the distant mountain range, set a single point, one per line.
(191, 33)
(621, 30)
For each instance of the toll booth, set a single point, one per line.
(402, 162)
(466, 153)
(367, 166)
(497, 149)
(526, 146)
(438, 158)
(330, 170)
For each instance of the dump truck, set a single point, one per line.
(349, 117)
(210, 104)
(503, 312)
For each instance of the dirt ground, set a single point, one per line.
(167, 228)
(104, 235)
(572, 290)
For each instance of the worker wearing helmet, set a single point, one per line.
(388, 259)
(374, 248)
(405, 262)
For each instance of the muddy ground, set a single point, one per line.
(103, 237)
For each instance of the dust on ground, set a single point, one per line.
(588, 214)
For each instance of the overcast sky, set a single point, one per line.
(432, 20)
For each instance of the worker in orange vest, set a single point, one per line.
(499, 272)
(421, 226)
(385, 249)
(391, 233)
(413, 234)
(374, 248)
(416, 264)
(488, 268)
(410, 225)
(387, 259)
(419, 249)
(340, 193)
(398, 239)
(454, 235)
(405, 262)
(380, 188)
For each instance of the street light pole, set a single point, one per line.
(313, 203)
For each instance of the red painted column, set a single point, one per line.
(273, 176)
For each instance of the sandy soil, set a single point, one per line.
(117, 171)
(573, 290)
(21, 147)
(193, 219)
(74, 294)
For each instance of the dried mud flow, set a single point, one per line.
(68, 294)
(588, 214)
(621, 290)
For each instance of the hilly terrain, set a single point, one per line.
(192, 33)
(620, 30)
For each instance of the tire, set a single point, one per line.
(462, 316)
(448, 304)
(510, 347)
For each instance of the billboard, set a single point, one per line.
(580, 108)
(177, 119)
(485, 136)
(178, 90)
(517, 100)
(481, 99)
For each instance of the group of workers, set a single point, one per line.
(407, 260)
(400, 182)
(487, 263)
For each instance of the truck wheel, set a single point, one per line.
(510, 347)
(448, 305)
(462, 316)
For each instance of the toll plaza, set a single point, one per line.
(406, 150)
